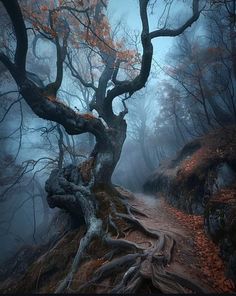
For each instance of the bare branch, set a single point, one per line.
(75, 73)
(14, 11)
(140, 81)
(180, 30)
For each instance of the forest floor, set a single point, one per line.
(194, 257)
(195, 254)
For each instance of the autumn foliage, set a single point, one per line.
(211, 265)
(87, 23)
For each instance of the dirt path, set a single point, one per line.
(194, 255)
(192, 266)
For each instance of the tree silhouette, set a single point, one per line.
(80, 190)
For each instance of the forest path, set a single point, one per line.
(194, 256)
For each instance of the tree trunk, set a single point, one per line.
(94, 173)
(86, 192)
(107, 153)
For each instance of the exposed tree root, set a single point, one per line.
(132, 255)
(186, 282)
(133, 210)
(94, 229)
(123, 244)
(81, 200)
(138, 267)
(137, 223)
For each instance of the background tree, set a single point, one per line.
(80, 190)
(201, 68)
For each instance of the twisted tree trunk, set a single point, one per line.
(85, 191)
(106, 153)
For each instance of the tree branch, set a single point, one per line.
(13, 9)
(52, 88)
(11, 68)
(180, 30)
(52, 109)
(77, 75)
(139, 81)
(38, 99)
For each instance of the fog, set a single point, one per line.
(178, 104)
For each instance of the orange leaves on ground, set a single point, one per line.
(227, 196)
(214, 149)
(207, 252)
(190, 164)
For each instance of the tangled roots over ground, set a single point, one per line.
(106, 258)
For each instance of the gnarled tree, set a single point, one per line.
(80, 190)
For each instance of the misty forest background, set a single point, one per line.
(190, 91)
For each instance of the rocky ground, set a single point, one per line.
(179, 239)
(195, 254)
(201, 180)
(194, 257)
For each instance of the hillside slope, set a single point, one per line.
(201, 179)
(186, 270)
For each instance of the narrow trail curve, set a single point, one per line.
(154, 253)
(185, 260)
